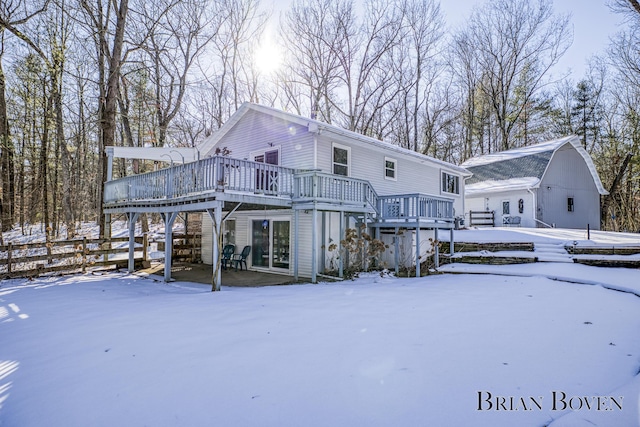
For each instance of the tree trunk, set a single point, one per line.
(108, 119)
(7, 175)
(606, 200)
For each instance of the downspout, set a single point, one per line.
(535, 206)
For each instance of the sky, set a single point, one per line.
(592, 21)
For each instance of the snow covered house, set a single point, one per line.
(552, 184)
(289, 186)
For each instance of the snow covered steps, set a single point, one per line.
(552, 252)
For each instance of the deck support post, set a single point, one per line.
(133, 217)
(107, 217)
(296, 236)
(418, 250)
(314, 244)
(216, 216)
(323, 239)
(169, 219)
(451, 243)
(436, 250)
(396, 255)
(340, 238)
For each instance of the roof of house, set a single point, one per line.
(207, 146)
(521, 168)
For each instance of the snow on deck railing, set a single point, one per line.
(418, 206)
(216, 173)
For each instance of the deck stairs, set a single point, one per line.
(552, 252)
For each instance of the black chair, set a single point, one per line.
(227, 256)
(242, 258)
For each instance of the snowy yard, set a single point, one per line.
(446, 350)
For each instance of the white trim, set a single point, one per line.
(335, 145)
(271, 218)
(395, 168)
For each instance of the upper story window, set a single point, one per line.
(390, 168)
(341, 156)
(450, 183)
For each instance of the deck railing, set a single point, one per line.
(325, 187)
(413, 207)
(211, 174)
(219, 174)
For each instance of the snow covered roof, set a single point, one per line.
(493, 186)
(525, 162)
(207, 146)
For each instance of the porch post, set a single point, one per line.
(436, 249)
(133, 217)
(169, 218)
(216, 217)
(418, 250)
(296, 221)
(314, 243)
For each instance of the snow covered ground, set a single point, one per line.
(508, 347)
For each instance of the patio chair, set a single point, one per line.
(242, 258)
(227, 256)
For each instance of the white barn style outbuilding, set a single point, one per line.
(552, 184)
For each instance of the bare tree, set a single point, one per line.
(175, 40)
(516, 43)
(13, 13)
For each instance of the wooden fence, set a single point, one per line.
(67, 256)
(485, 218)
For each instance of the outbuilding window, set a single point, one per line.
(570, 206)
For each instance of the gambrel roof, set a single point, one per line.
(521, 168)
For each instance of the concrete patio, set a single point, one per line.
(201, 273)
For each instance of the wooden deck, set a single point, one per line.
(207, 183)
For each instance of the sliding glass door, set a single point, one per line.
(270, 241)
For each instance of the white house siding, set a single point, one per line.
(568, 176)
(243, 236)
(262, 132)
(412, 175)
(493, 202)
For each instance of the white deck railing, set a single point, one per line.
(414, 207)
(325, 187)
(219, 174)
(206, 175)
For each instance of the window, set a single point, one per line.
(570, 204)
(450, 183)
(390, 167)
(229, 232)
(340, 159)
(505, 208)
